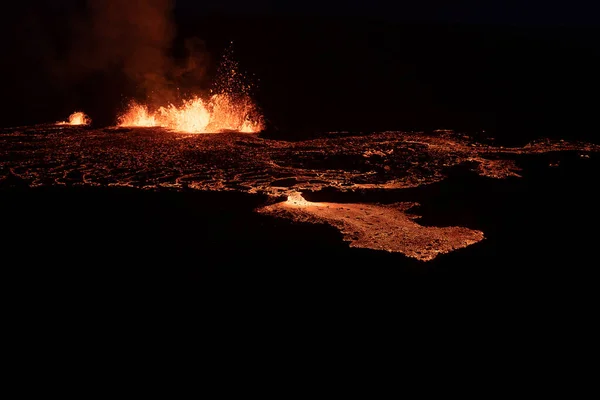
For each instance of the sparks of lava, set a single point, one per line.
(221, 112)
(77, 118)
(229, 108)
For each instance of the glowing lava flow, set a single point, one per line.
(77, 118)
(390, 228)
(221, 113)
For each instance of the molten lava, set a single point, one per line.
(221, 112)
(77, 118)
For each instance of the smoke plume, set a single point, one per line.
(135, 38)
(97, 55)
(129, 36)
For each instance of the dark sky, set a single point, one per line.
(526, 12)
(521, 12)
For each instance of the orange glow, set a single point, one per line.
(220, 113)
(137, 115)
(77, 118)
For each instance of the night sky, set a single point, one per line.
(532, 12)
(523, 12)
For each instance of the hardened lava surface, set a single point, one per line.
(154, 158)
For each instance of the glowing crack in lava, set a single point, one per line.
(387, 228)
(77, 118)
(221, 112)
(397, 164)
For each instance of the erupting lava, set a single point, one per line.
(77, 118)
(221, 113)
(229, 108)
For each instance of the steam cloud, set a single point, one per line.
(135, 38)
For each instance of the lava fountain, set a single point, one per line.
(228, 108)
(77, 118)
(222, 112)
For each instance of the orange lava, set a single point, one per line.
(220, 113)
(77, 118)
(389, 228)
